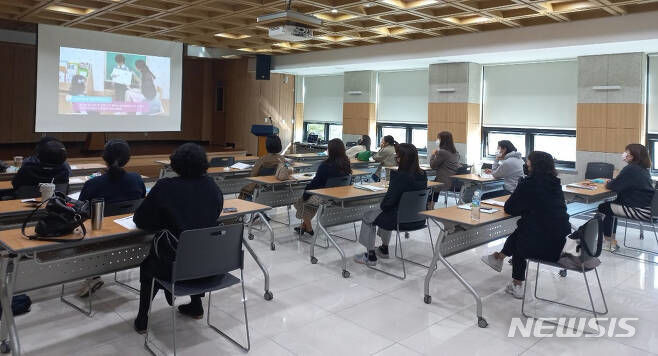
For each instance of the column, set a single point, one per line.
(359, 108)
(299, 109)
(611, 97)
(454, 105)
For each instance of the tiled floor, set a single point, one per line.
(317, 312)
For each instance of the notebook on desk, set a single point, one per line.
(581, 186)
(368, 187)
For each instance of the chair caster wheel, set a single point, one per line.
(272, 247)
(4, 347)
(482, 322)
(268, 295)
(314, 260)
(563, 273)
(251, 236)
(428, 299)
(346, 273)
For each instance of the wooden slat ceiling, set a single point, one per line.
(347, 23)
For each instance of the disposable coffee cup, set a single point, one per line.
(97, 212)
(47, 190)
(18, 161)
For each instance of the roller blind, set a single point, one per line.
(537, 95)
(323, 98)
(403, 96)
(653, 94)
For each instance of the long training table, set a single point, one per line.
(29, 264)
(459, 233)
(346, 204)
(485, 183)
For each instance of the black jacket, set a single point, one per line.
(400, 182)
(33, 174)
(633, 186)
(179, 204)
(325, 171)
(127, 186)
(544, 223)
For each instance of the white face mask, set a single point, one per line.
(438, 143)
(624, 156)
(497, 152)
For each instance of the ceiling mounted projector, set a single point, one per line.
(290, 25)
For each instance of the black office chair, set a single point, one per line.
(339, 181)
(411, 203)
(599, 170)
(263, 171)
(590, 246)
(652, 222)
(204, 260)
(222, 161)
(456, 185)
(32, 191)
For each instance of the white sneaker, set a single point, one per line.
(493, 262)
(516, 290)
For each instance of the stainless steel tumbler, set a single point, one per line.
(97, 212)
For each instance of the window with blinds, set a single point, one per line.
(403, 97)
(323, 98)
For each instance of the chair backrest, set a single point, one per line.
(599, 170)
(208, 252)
(457, 184)
(222, 161)
(592, 238)
(263, 171)
(412, 203)
(122, 207)
(32, 191)
(654, 202)
(339, 181)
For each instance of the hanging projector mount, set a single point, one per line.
(290, 25)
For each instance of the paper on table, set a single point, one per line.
(486, 176)
(581, 186)
(482, 210)
(127, 222)
(77, 180)
(493, 202)
(75, 196)
(303, 176)
(372, 188)
(240, 165)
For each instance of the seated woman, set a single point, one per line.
(34, 159)
(541, 232)
(634, 190)
(409, 177)
(445, 161)
(270, 161)
(115, 186)
(508, 165)
(49, 166)
(190, 201)
(336, 165)
(362, 145)
(385, 156)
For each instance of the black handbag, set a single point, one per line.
(60, 217)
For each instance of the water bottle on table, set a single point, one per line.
(475, 206)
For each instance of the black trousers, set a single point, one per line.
(512, 248)
(609, 221)
(151, 268)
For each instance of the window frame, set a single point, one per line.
(651, 139)
(407, 126)
(530, 134)
(326, 129)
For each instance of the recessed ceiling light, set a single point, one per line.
(231, 36)
(409, 4)
(70, 10)
(369, 4)
(334, 11)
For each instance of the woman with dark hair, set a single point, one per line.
(362, 145)
(49, 166)
(634, 190)
(445, 161)
(115, 186)
(507, 165)
(544, 224)
(408, 177)
(385, 156)
(270, 162)
(190, 201)
(336, 165)
(147, 79)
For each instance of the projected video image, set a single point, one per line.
(112, 83)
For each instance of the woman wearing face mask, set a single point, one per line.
(508, 166)
(634, 190)
(544, 224)
(445, 161)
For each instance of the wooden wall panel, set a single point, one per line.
(462, 119)
(359, 118)
(609, 127)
